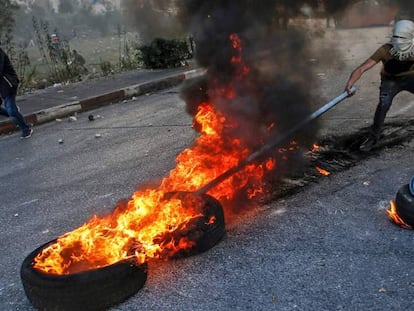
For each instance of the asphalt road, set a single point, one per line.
(328, 247)
(50, 188)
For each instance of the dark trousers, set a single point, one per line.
(3, 112)
(13, 112)
(388, 90)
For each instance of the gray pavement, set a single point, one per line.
(60, 101)
(330, 246)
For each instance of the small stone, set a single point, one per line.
(72, 118)
(98, 135)
(60, 141)
(91, 117)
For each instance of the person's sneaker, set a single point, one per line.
(368, 144)
(27, 133)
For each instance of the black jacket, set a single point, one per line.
(9, 81)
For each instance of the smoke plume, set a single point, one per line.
(251, 48)
(276, 93)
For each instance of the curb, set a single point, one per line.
(90, 103)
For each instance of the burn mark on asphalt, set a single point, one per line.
(340, 153)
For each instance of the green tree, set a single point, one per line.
(7, 15)
(7, 22)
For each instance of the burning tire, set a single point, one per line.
(89, 290)
(101, 288)
(405, 204)
(203, 232)
(208, 230)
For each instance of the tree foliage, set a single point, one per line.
(7, 22)
(7, 16)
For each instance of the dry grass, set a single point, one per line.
(94, 50)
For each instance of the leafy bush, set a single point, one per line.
(163, 53)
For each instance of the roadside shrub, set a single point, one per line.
(128, 50)
(56, 54)
(106, 68)
(25, 72)
(163, 53)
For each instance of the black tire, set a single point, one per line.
(404, 202)
(96, 289)
(207, 235)
(203, 232)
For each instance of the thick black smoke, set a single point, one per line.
(157, 18)
(152, 19)
(279, 88)
(406, 9)
(278, 91)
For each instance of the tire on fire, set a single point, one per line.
(204, 231)
(404, 202)
(212, 233)
(88, 290)
(104, 287)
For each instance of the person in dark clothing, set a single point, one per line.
(3, 112)
(397, 75)
(9, 83)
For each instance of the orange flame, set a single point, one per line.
(135, 228)
(315, 148)
(393, 215)
(212, 220)
(322, 171)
